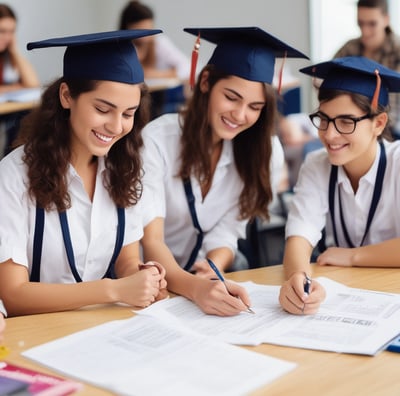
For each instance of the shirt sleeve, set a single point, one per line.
(16, 210)
(309, 205)
(226, 232)
(3, 309)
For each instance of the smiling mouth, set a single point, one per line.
(228, 123)
(103, 138)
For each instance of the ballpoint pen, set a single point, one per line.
(307, 284)
(222, 279)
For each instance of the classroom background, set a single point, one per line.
(316, 27)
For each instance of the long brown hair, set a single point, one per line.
(46, 135)
(252, 148)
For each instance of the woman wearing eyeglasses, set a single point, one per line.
(349, 191)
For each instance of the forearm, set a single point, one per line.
(222, 257)
(33, 298)
(384, 254)
(28, 76)
(297, 256)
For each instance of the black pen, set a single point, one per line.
(307, 284)
(222, 279)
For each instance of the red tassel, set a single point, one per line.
(375, 98)
(280, 77)
(195, 57)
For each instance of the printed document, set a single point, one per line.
(144, 356)
(349, 321)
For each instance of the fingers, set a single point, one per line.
(293, 299)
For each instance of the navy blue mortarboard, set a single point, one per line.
(359, 75)
(247, 52)
(108, 56)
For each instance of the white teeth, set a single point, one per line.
(230, 124)
(103, 137)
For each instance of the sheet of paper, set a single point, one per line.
(349, 321)
(21, 95)
(144, 356)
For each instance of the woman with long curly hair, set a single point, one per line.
(214, 166)
(70, 218)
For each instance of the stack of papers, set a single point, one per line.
(145, 356)
(174, 347)
(21, 95)
(349, 321)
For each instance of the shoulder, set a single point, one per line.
(350, 48)
(13, 160)
(13, 173)
(165, 125)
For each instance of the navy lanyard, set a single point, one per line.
(374, 203)
(191, 200)
(38, 241)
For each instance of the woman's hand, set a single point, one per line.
(143, 287)
(293, 298)
(336, 256)
(213, 298)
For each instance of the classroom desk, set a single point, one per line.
(317, 373)
(15, 107)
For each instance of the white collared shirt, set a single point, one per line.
(217, 214)
(309, 209)
(92, 225)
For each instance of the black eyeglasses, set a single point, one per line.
(343, 124)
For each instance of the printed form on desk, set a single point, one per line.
(146, 356)
(349, 321)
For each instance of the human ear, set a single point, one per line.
(380, 122)
(204, 84)
(65, 97)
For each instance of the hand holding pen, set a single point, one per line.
(222, 279)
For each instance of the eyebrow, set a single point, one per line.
(241, 97)
(114, 106)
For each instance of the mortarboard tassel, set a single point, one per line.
(374, 102)
(195, 57)
(281, 74)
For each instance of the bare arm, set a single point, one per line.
(222, 258)
(28, 76)
(210, 296)
(22, 297)
(383, 254)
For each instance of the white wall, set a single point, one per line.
(40, 19)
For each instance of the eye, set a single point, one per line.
(128, 115)
(101, 110)
(230, 97)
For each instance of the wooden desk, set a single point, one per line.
(15, 107)
(318, 373)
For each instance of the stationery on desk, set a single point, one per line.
(222, 279)
(21, 95)
(146, 356)
(176, 331)
(349, 321)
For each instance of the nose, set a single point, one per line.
(114, 125)
(239, 113)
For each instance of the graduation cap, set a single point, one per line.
(108, 56)
(359, 75)
(247, 52)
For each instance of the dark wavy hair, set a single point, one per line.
(46, 135)
(362, 102)
(252, 147)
